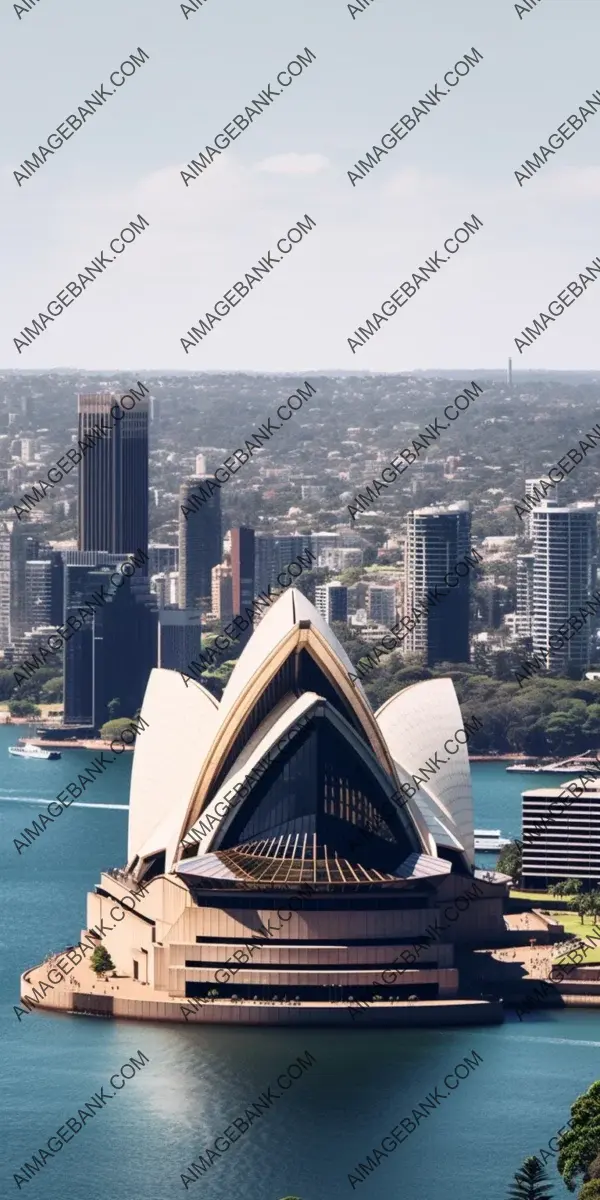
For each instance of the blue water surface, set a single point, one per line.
(198, 1080)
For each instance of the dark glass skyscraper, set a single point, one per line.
(112, 655)
(113, 477)
(437, 539)
(200, 540)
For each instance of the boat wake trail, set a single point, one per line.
(47, 800)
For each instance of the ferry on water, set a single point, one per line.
(490, 839)
(567, 766)
(25, 749)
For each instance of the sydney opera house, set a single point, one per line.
(285, 876)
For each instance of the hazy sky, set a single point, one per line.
(293, 160)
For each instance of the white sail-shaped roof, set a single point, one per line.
(286, 612)
(416, 723)
(266, 744)
(291, 625)
(183, 762)
(181, 721)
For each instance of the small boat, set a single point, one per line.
(523, 767)
(25, 749)
(566, 766)
(490, 839)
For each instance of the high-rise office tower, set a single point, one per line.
(155, 415)
(381, 604)
(125, 648)
(525, 577)
(200, 540)
(178, 638)
(162, 557)
(272, 555)
(331, 601)
(552, 499)
(24, 546)
(242, 572)
(160, 588)
(165, 586)
(113, 477)
(564, 548)
(38, 592)
(222, 592)
(112, 655)
(5, 555)
(438, 539)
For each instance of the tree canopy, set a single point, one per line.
(580, 1145)
(510, 861)
(23, 708)
(101, 962)
(112, 729)
(530, 1182)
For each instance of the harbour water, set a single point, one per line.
(199, 1080)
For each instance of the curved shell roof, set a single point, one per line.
(181, 721)
(287, 611)
(416, 723)
(292, 624)
(189, 735)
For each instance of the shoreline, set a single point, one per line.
(73, 744)
(526, 758)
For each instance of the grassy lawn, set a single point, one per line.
(515, 894)
(571, 923)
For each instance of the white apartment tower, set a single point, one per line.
(553, 499)
(564, 541)
(525, 577)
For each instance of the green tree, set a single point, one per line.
(531, 1182)
(510, 861)
(580, 905)
(112, 708)
(594, 903)
(591, 1190)
(112, 729)
(7, 684)
(572, 887)
(52, 691)
(23, 708)
(30, 689)
(101, 962)
(580, 1145)
(593, 1171)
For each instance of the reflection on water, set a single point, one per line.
(199, 1080)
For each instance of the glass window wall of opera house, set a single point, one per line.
(277, 872)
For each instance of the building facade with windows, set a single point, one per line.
(564, 577)
(113, 477)
(437, 539)
(561, 834)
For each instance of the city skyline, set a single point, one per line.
(310, 600)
